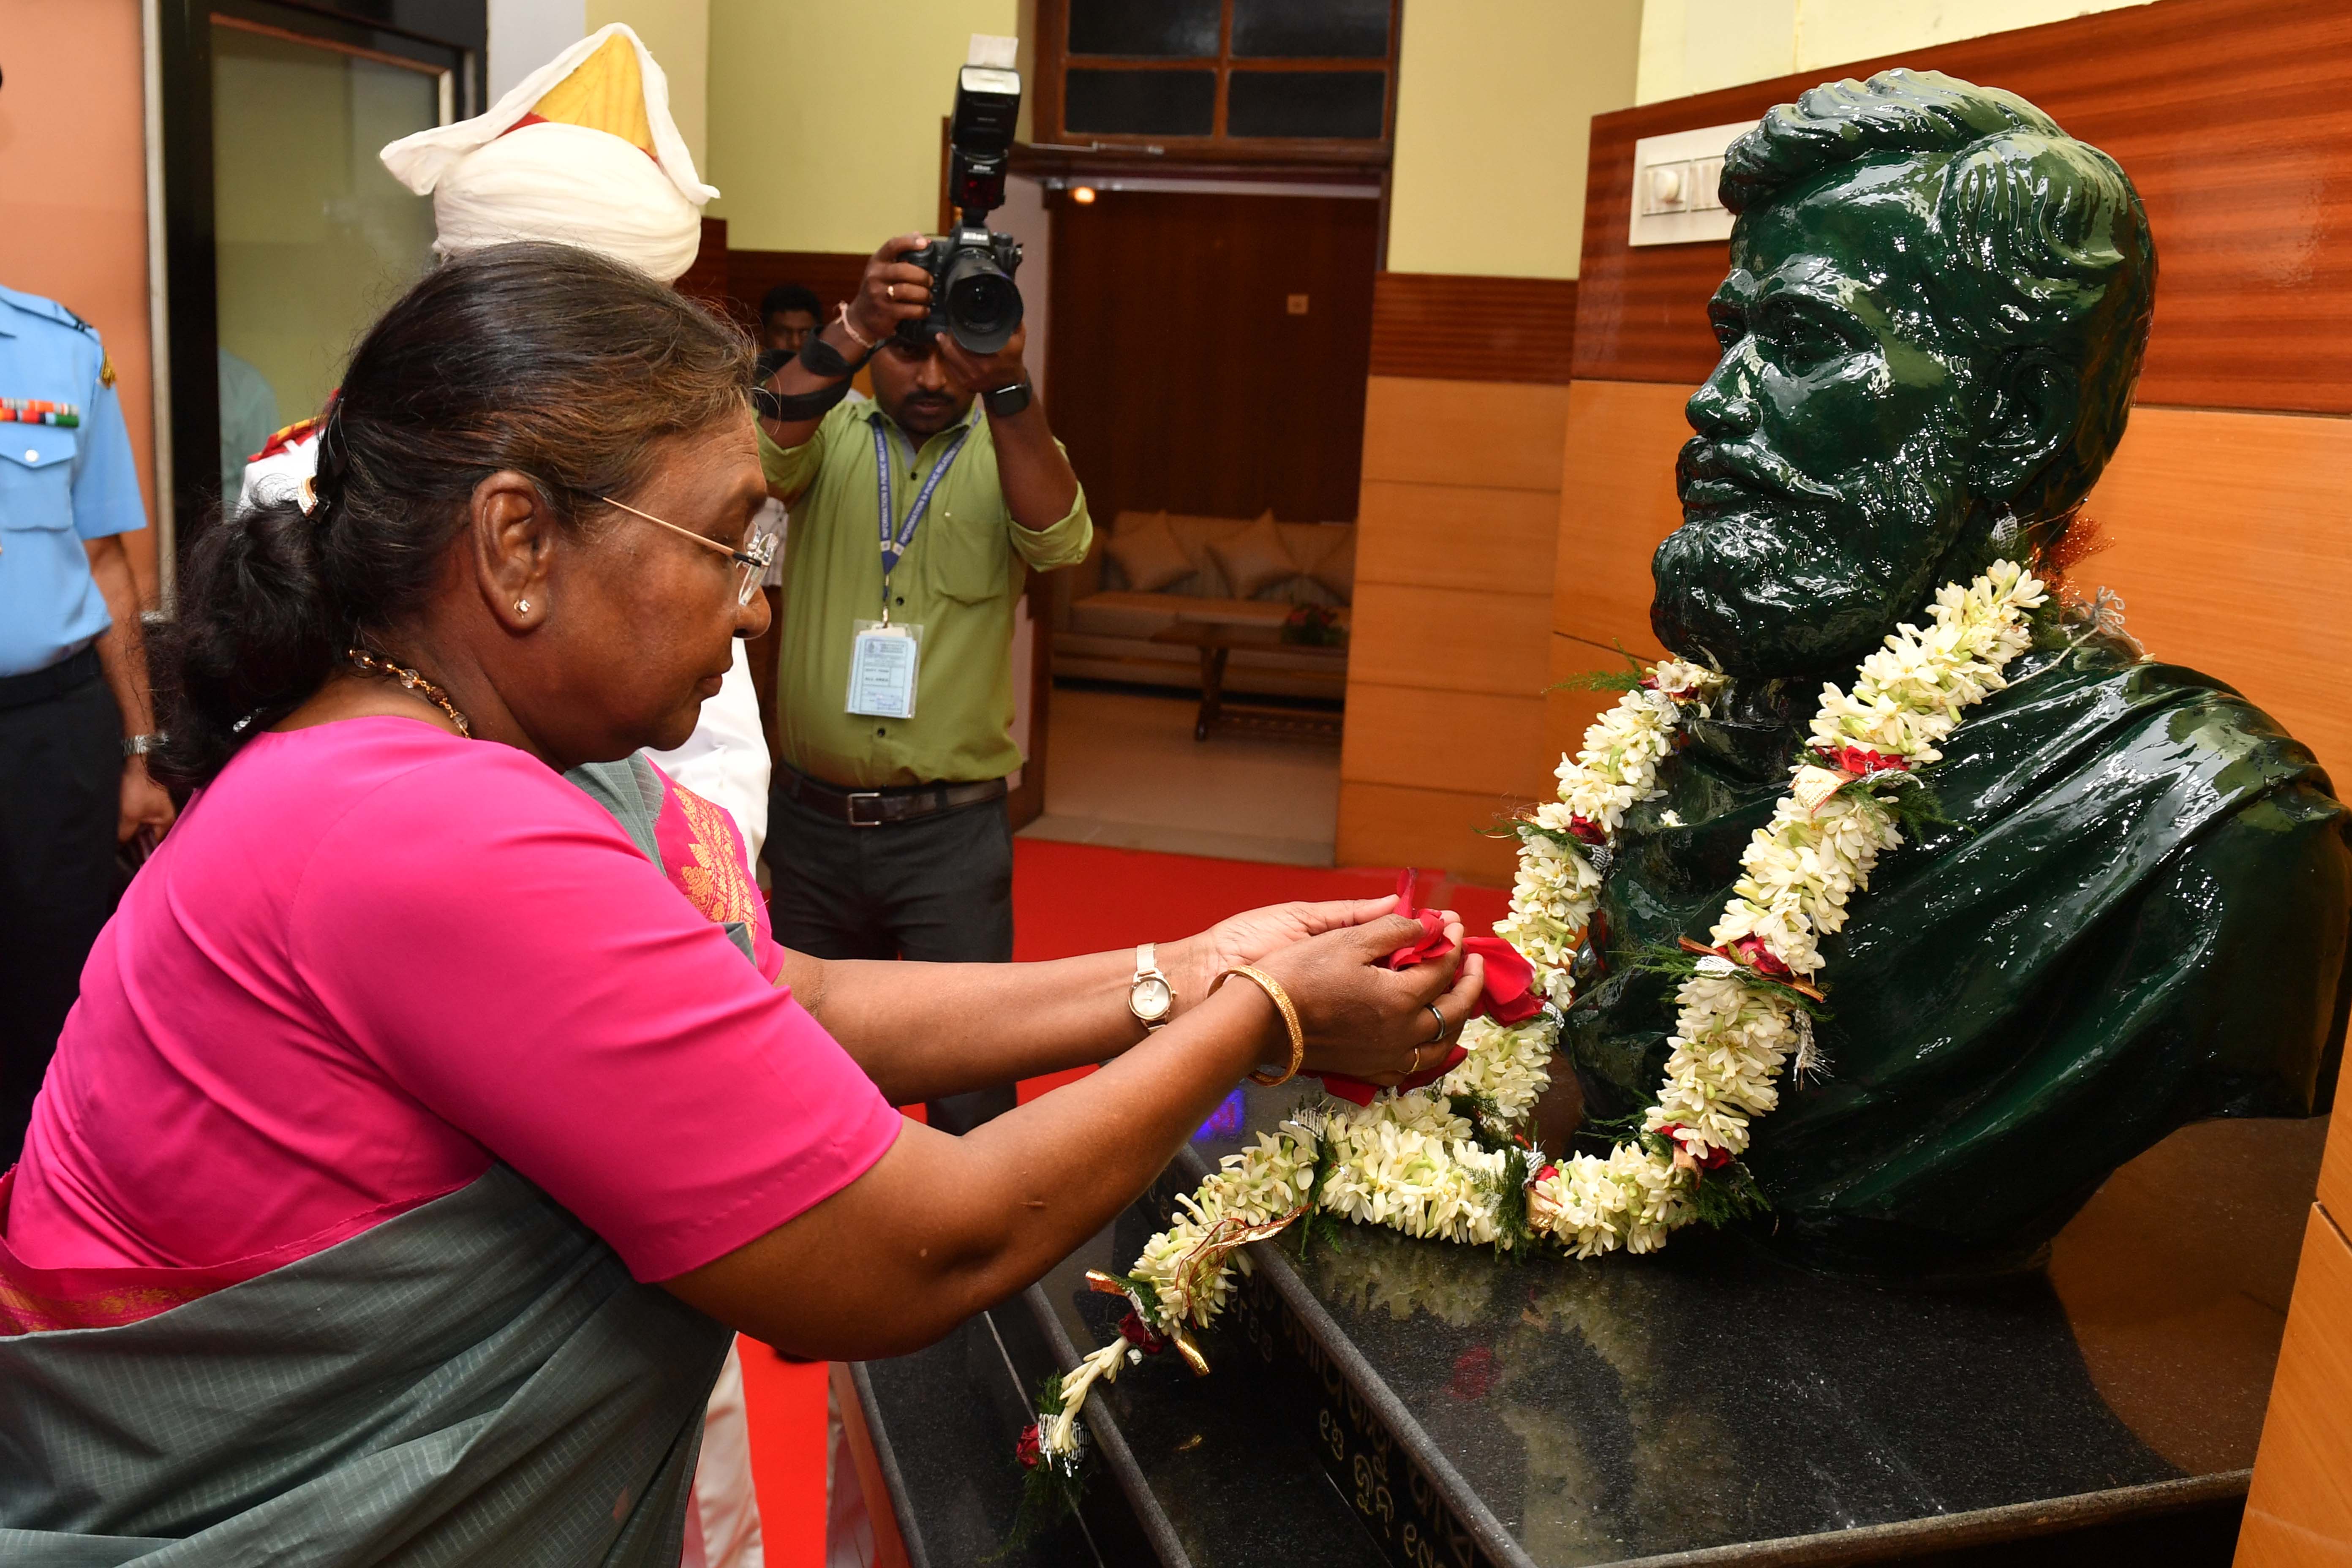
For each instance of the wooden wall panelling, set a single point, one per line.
(1449, 642)
(1394, 825)
(2299, 1508)
(1464, 740)
(2232, 551)
(1482, 434)
(2230, 115)
(1474, 329)
(2336, 1167)
(706, 279)
(1616, 501)
(1456, 536)
(834, 274)
(1450, 639)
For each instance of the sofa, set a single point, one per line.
(1150, 569)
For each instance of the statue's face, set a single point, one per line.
(1826, 486)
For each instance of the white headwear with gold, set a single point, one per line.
(582, 151)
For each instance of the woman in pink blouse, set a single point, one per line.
(415, 1148)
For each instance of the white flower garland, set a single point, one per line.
(1414, 1163)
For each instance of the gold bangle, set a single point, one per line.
(1281, 1000)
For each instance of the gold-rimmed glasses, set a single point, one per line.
(751, 562)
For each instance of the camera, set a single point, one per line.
(973, 298)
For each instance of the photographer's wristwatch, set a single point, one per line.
(1007, 401)
(1149, 995)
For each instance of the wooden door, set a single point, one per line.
(1209, 351)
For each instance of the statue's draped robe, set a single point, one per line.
(2139, 921)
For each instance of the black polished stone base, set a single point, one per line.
(1383, 1400)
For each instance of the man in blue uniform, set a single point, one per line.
(75, 722)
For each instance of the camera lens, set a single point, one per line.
(983, 306)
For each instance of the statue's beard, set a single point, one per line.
(1770, 576)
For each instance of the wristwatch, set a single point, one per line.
(1007, 401)
(1149, 996)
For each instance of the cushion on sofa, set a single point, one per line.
(1323, 554)
(1122, 614)
(1255, 558)
(1147, 553)
(1330, 562)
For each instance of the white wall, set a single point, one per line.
(678, 32)
(526, 33)
(1700, 46)
(1495, 107)
(824, 118)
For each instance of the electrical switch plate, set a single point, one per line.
(1675, 180)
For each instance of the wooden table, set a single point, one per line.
(1217, 639)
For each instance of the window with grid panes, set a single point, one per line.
(1217, 73)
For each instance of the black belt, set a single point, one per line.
(875, 807)
(54, 681)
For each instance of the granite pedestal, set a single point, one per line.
(1383, 1401)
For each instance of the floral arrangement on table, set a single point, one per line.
(1453, 1160)
(1314, 626)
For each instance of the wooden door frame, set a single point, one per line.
(1027, 803)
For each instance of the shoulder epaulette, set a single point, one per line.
(41, 305)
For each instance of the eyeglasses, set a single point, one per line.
(751, 561)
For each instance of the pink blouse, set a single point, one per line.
(371, 958)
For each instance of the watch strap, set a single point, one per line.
(1006, 401)
(1147, 967)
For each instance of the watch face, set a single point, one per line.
(1148, 999)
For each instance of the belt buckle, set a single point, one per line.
(865, 794)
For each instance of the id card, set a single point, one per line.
(883, 664)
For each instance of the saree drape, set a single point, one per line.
(474, 1380)
(478, 1380)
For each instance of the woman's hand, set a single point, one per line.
(1365, 1021)
(1195, 963)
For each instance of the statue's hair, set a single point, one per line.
(2049, 241)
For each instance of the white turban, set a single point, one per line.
(493, 179)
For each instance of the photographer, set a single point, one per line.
(888, 835)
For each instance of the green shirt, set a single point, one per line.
(957, 580)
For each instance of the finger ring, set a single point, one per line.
(1441, 1026)
(892, 291)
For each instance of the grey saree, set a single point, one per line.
(476, 1380)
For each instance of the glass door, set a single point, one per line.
(284, 236)
(312, 237)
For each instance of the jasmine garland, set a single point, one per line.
(1420, 1162)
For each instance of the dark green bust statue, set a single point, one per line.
(1933, 322)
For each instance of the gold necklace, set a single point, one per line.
(410, 680)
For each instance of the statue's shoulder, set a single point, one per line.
(2099, 720)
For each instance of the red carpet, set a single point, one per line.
(1066, 899)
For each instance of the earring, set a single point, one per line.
(522, 606)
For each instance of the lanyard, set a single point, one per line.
(894, 543)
